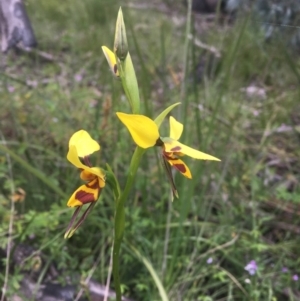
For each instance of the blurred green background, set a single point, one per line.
(240, 102)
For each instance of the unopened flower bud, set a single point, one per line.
(120, 45)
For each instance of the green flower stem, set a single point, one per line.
(120, 218)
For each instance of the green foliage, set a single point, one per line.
(244, 209)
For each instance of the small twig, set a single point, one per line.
(11, 77)
(145, 6)
(220, 247)
(235, 281)
(200, 44)
(88, 278)
(42, 54)
(10, 228)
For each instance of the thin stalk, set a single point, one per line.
(185, 59)
(149, 266)
(10, 227)
(120, 218)
(167, 235)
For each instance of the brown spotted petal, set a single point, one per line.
(174, 146)
(85, 194)
(178, 164)
(111, 59)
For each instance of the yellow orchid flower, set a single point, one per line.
(81, 145)
(145, 133)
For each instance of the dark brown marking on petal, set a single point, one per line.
(115, 68)
(180, 167)
(84, 197)
(176, 149)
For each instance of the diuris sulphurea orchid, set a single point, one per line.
(145, 133)
(81, 145)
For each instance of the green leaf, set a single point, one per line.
(44, 178)
(153, 273)
(160, 118)
(130, 84)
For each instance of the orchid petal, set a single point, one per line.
(111, 59)
(85, 175)
(72, 156)
(87, 193)
(70, 226)
(173, 146)
(176, 128)
(143, 130)
(80, 221)
(92, 173)
(180, 166)
(84, 143)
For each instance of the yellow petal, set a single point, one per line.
(86, 175)
(111, 59)
(174, 146)
(72, 156)
(143, 130)
(84, 143)
(85, 194)
(180, 166)
(176, 128)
